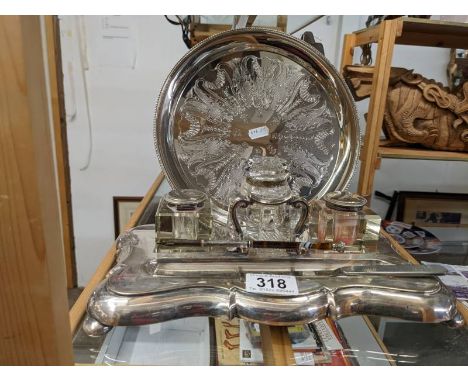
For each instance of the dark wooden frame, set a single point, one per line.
(404, 195)
(116, 200)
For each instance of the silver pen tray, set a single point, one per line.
(140, 290)
(255, 92)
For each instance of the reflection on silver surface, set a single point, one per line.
(94, 328)
(417, 303)
(255, 92)
(135, 294)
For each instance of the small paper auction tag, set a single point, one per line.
(259, 132)
(304, 359)
(271, 284)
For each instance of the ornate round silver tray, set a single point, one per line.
(255, 92)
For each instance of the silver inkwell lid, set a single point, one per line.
(344, 201)
(185, 199)
(266, 180)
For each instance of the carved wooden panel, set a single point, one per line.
(417, 109)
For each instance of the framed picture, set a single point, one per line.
(124, 207)
(433, 209)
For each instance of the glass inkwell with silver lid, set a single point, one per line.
(341, 218)
(268, 208)
(184, 214)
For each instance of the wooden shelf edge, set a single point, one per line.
(433, 33)
(379, 341)
(276, 346)
(463, 309)
(411, 153)
(79, 308)
(420, 32)
(371, 35)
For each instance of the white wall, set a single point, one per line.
(121, 104)
(126, 60)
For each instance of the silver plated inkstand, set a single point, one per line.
(258, 136)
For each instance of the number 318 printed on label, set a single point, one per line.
(271, 284)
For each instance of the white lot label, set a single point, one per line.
(259, 132)
(271, 284)
(304, 359)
